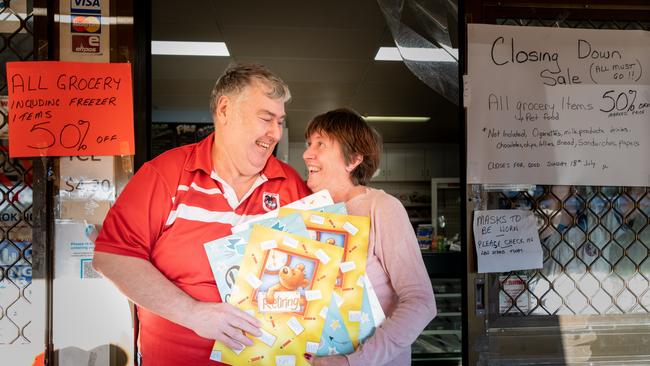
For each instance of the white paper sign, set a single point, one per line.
(513, 289)
(558, 106)
(506, 240)
(73, 250)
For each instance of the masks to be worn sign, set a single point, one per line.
(506, 240)
(69, 109)
(558, 106)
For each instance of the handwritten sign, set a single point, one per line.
(558, 106)
(506, 240)
(87, 177)
(69, 109)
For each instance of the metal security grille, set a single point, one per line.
(584, 24)
(16, 181)
(595, 240)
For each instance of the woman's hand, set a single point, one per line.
(326, 361)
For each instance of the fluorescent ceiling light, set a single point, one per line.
(416, 54)
(189, 48)
(395, 119)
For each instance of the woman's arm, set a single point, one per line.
(396, 247)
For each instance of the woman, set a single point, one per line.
(342, 155)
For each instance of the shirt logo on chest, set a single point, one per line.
(270, 201)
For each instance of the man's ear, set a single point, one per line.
(223, 109)
(354, 162)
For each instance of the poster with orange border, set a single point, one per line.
(352, 234)
(286, 281)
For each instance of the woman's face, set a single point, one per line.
(325, 163)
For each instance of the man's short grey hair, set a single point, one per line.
(237, 77)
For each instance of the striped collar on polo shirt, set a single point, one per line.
(202, 160)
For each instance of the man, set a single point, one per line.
(151, 243)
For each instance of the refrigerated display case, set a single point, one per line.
(441, 341)
(445, 214)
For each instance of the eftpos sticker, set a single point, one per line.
(270, 201)
(85, 43)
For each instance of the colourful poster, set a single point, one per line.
(350, 233)
(226, 254)
(286, 281)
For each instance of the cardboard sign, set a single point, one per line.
(69, 108)
(87, 177)
(92, 211)
(506, 240)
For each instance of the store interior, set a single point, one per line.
(327, 53)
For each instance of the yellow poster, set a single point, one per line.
(286, 281)
(352, 234)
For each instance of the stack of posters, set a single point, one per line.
(286, 282)
(302, 274)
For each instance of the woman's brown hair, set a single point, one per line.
(356, 138)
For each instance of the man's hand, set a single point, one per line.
(143, 283)
(224, 323)
(327, 361)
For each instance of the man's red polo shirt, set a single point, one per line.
(169, 209)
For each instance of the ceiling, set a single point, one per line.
(324, 50)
